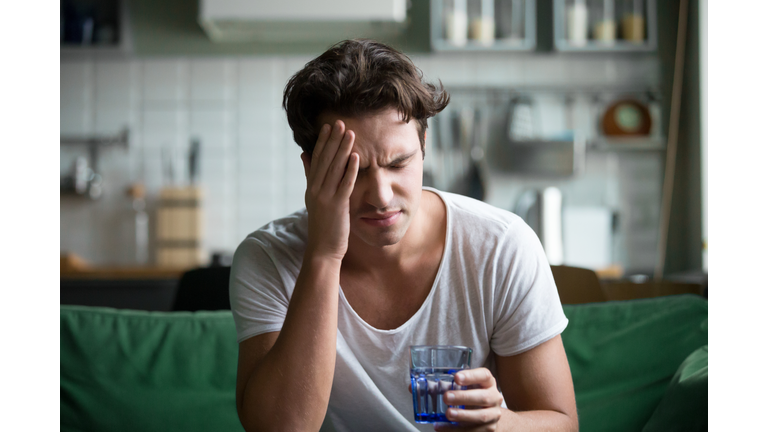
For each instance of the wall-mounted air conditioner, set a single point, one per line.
(301, 20)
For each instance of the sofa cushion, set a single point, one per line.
(623, 355)
(127, 370)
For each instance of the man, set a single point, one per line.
(328, 300)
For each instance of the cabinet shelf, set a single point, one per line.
(503, 25)
(645, 143)
(578, 25)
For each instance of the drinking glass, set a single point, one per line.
(432, 374)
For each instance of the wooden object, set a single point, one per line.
(179, 227)
(577, 285)
(674, 125)
(627, 290)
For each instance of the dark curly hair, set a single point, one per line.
(358, 77)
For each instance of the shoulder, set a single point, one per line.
(280, 239)
(474, 217)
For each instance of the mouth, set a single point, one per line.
(382, 220)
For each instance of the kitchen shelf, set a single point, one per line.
(99, 29)
(587, 42)
(515, 32)
(626, 144)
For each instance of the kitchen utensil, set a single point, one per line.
(194, 155)
(521, 127)
(542, 211)
(627, 117)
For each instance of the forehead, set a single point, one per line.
(378, 135)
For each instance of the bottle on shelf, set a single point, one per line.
(456, 22)
(577, 22)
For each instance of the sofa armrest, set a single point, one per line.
(684, 405)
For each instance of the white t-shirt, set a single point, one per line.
(494, 292)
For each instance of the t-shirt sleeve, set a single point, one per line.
(527, 311)
(257, 292)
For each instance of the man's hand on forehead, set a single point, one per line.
(331, 175)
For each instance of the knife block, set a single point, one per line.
(179, 227)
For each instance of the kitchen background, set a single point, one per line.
(159, 87)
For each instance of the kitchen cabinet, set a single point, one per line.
(605, 25)
(483, 25)
(94, 28)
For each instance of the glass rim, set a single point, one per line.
(459, 347)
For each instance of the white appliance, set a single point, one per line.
(301, 20)
(587, 236)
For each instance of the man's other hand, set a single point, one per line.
(482, 402)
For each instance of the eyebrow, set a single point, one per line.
(397, 160)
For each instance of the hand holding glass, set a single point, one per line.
(432, 374)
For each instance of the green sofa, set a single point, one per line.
(638, 365)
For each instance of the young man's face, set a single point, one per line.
(387, 192)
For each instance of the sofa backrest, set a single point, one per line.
(126, 370)
(623, 355)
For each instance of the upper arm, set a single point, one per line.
(538, 379)
(251, 352)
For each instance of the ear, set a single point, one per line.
(306, 159)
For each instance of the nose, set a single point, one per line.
(379, 191)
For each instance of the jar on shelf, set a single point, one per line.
(603, 21)
(509, 16)
(633, 20)
(455, 19)
(481, 23)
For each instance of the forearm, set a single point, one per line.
(291, 386)
(536, 421)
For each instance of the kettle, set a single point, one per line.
(542, 210)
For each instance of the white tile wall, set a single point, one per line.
(250, 166)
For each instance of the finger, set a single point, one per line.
(350, 177)
(341, 162)
(474, 417)
(322, 137)
(480, 376)
(481, 398)
(325, 158)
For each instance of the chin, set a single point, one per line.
(387, 237)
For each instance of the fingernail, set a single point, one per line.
(460, 376)
(449, 397)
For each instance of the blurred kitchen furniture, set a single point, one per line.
(180, 227)
(85, 179)
(140, 288)
(674, 126)
(205, 288)
(628, 290)
(577, 285)
(636, 30)
(98, 28)
(635, 364)
(483, 25)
